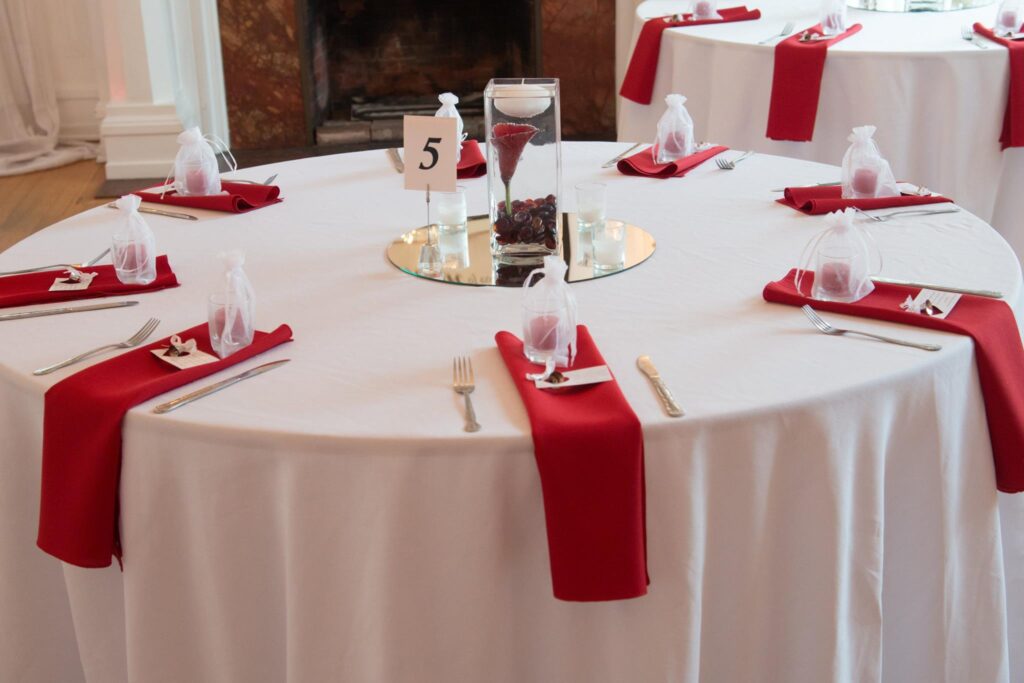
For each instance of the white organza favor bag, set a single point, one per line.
(133, 247)
(549, 318)
(1008, 18)
(833, 17)
(448, 101)
(232, 311)
(195, 167)
(866, 174)
(841, 257)
(706, 9)
(675, 132)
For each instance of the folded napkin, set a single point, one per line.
(796, 85)
(34, 288)
(235, 197)
(1013, 119)
(590, 453)
(472, 163)
(998, 352)
(638, 83)
(82, 414)
(642, 163)
(828, 198)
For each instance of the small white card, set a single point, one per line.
(933, 303)
(576, 378)
(67, 283)
(430, 148)
(191, 359)
(914, 190)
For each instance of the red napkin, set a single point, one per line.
(796, 85)
(78, 516)
(997, 347)
(828, 198)
(590, 453)
(1013, 119)
(236, 197)
(642, 163)
(34, 288)
(638, 84)
(472, 163)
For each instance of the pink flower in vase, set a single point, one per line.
(510, 140)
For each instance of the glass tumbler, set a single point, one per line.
(591, 201)
(134, 260)
(609, 246)
(228, 329)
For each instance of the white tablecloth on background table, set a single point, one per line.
(937, 100)
(826, 511)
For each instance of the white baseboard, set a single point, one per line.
(139, 141)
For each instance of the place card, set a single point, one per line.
(576, 378)
(932, 303)
(183, 355)
(72, 282)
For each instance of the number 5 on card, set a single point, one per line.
(429, 143)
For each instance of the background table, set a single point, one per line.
(937, 100)
(826, 511)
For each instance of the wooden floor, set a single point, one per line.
(33, 201)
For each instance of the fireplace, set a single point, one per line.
(343, 72)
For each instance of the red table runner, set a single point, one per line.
(33, 288)
(796, 85)
(472, 163)
(236, 197)
(998, 351)
(1013, 119)
(642, 163)
(589, 448)
(82, 415)
(829, 198)
(638, 83)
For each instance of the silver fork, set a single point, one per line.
(462, 382)
(268, 181)
(827, 328)
(967, 33)
(730, 165)
(132, 341)
(786, 30)
(883, 217)
(58, 266)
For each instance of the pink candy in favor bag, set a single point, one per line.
(675, 132)
(866, 174)
(706, 9)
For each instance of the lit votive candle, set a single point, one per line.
(610, 246)
(865, 182)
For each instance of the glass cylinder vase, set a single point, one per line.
(524, 167)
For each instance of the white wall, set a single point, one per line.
(77, 67)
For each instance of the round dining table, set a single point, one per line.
(937, 100)
(825, 511)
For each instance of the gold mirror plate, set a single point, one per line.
(467, 260)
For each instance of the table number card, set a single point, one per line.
(430, 151)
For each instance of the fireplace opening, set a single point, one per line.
(374, 62)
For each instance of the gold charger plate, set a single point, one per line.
(467, 260)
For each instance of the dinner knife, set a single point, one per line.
(396, 160)
(611, 162)
(214, 388)
(38, 313)
(667, 400)
(942, 288)
(161, 212)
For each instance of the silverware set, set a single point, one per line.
(57, 266)
(162, 212)
(967, 33)
(829, 329)
(784, 33)
(462, 383)
(142, 335)
(727, 165)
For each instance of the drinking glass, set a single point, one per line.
(591, 200)
(833, 278)
(609, 246)
(540, 332)
(227, 336)
(134, 260)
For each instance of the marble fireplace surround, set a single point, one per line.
(275, 81)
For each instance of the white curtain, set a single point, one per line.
(29, 119)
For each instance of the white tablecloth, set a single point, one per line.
(826, 511)
(937, 100)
